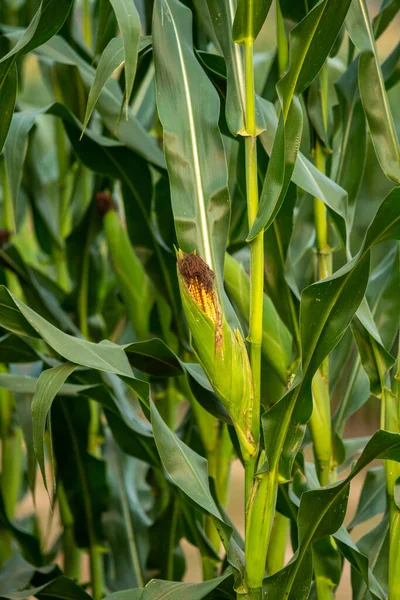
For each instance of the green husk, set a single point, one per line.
(222, 354)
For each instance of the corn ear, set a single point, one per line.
(221, 352)
(134, 284)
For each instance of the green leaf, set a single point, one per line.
(170, 590)
(310, 43)
(361, 563)
(186, 468)
(30, 546)
(249, 18)
(373, 92)
(111, 58)
(47, 20)
(353, 151)
(375, 359)
(222, 16)
(221, 12)
(14, 349)
(129, 24)
(24, 384)
(8, 95)
(305, 174)
(133, 281)
(374, 545)
(48, 386)
(135, 594)
(82, 474)
(61, 587)
(276, 339)
(326, 310)
(15, 149)
(387, 13)
(192, 142)
(130, 132)
(328, 505)
(154, 357)
(373, 497)
(107, 357)
(126, 526)
(16, 574)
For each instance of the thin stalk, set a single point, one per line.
(84, 287)
(257, 257)
(293, 314)
(224, 456)
(11, 434)
(172, 540)
(87, 24)
(209, 566)
(320, 422)
(390, 420)
(283, 50)
(277, 547)
(95, 553)
(58, 252)
(260, 516)
(10, 226)
(320, 427)
(130, 532)
(72, 554)
(8, 206)
(11, 454)
(394, 554)
(218, 466)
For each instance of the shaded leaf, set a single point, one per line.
(373, 92)
(129, 24)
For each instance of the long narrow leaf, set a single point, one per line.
(192, 142)
(373, 92)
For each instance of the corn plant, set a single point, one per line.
(200, 215)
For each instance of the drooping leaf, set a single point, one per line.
(129, 24)
(29, 544)
(387, 13)
(328, 506)
(361, 563)
(47, 20)
(158, 590)
(48, 386)
(108, 357)
(83, 475)
(186, 468)
(372, 500)
(62, 587)
(327, 308)
(130, 131)
(111, 58)
(8, 94)
(375, 359)
(353, 151)
(373, 92)
(310, 43)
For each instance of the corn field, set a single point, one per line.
(199, 272)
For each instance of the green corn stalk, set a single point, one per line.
(221, 352)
